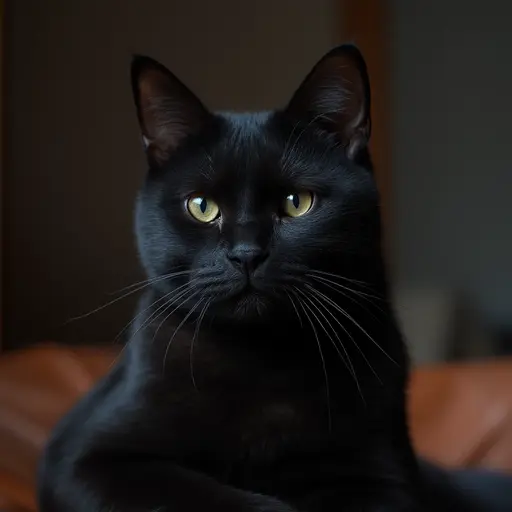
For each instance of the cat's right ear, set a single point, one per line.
(335, 96)
(168, 111)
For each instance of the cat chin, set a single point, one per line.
(244, 308)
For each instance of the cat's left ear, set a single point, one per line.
(336, 97)
(168, 111)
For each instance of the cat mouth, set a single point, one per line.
(243, 292)
(241, 288)
(245, 301)
(249, 303)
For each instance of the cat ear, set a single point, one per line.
(168, 111)
(336, 97)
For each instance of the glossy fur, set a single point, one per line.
(267, 372)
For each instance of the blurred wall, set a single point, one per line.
(452, 107)
(74, 160)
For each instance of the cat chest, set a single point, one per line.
(238, 432)
(278, 445)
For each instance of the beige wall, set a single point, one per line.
(73, 156)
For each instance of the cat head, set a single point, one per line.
(244, 212)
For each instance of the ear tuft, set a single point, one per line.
(167, 110)
(336, 97)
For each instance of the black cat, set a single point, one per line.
(265, 370)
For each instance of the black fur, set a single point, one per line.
(278, 381)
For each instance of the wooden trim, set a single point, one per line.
(366, 23)
(2, 160)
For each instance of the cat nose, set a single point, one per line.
(247, 258)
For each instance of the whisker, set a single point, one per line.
(194, 337)
(96, 310)
(294, 307)
(358, 294)
(287, 152)
(319, 298)
(345, 314)
(343, 278)
(361, 294)
(121, 352)
(327, 390)
(169, 305)
(150, 281)
(347, 362)
(166, 304)
(285, 155)
(179, 327)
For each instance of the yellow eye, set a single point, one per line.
(202, 208)
(298, 204)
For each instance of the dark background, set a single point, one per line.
(73, 160)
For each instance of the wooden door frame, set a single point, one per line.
(366, 23)
(2, 161)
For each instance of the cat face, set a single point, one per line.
(241, 210)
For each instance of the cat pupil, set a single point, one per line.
(295, 200)
(203, 205)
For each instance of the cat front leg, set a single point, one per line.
(106, 456)
(101, 484)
